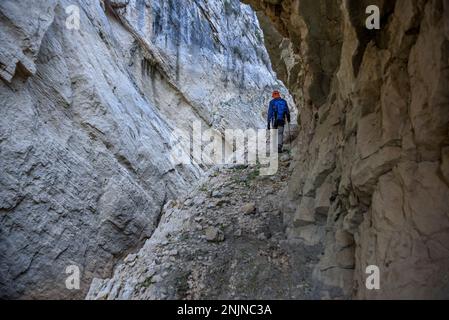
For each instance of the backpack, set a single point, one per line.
(280, 109)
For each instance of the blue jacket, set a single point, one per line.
(278, 111)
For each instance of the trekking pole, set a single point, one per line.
(289, 134)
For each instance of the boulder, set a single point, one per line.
(214, 235)
(248, 208)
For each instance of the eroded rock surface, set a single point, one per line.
(86, 123)
(86, 119)
(371, 171)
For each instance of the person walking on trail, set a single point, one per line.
(278, 114)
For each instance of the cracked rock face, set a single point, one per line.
(86, 122)
(372, 161)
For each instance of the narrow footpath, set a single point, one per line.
(225, 240)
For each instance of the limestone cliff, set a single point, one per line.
(87, 117)
(371, 176)
(86, 122)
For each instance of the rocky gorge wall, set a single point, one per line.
(371, 178)
(86, 123)
(86, 127)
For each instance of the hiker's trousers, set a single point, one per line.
(280, 138)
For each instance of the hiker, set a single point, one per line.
(278, 113)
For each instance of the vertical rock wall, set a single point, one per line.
(86, 122)
(371, 181)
